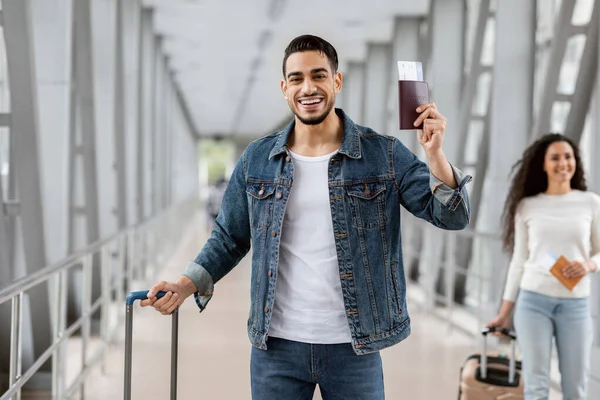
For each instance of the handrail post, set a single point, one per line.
(131, 264)
(450, 273)
(55, 309)
(105, 268)
(16, 342)
(59, 310)
(86, 300)
(120, 267)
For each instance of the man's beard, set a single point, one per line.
(314, 120)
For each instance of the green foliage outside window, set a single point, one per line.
(217, 154)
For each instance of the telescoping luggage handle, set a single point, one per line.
(512, 362)
(143, 295)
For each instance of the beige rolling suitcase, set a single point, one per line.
(491, 377)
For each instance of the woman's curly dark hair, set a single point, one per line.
(531, 179)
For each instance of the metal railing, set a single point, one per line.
(481, 282)
(137, 252)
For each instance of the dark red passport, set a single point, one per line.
(411, 94)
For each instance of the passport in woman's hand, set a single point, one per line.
(557, 271)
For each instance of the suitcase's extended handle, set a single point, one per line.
(131, 298)
(141, 295)
(512, 362)
(503, 331)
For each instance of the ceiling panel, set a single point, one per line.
(226, 55)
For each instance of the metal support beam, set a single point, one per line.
(511, 117)
(103, 30)
(354, 91)
(149, 114)
(405, 47)
(445, 81)
(5, 275)
(594, 182)
(83, 181)
(83, 131)
(472, 81)
(586, 78)
(185, 110)
(376, 85)
(132, 71)
(5, 278)
(445, 70)
(156, 103)
(119, 107)
(159, 132)
(169, 110)
(4, 119)
(171, 135)
(425, 44)
(564, 31)
(474, 131)
(555, 60)
(144, 16)
(166, 136)
(18, 32)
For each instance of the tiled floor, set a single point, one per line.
(214, 349)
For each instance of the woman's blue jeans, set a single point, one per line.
(538, 320)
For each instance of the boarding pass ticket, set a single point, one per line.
(410, 71)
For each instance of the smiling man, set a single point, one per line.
(319, 202)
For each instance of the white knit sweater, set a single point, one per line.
(567, 225)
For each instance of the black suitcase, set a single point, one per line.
(142, 295)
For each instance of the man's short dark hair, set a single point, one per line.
(312, 43)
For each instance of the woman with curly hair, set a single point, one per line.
(549, 211)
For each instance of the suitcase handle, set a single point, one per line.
(131, 298)
(141, 295)
(503, 331)
(512, 362)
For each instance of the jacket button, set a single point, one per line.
(266, 309)
(270, 273)
(279, 195)
(288, 159)
(273, 233)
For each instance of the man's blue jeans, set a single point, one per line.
(290, 370)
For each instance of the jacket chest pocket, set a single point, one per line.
(260, 196)
(367, 201)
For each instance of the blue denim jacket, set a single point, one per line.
(369, 179)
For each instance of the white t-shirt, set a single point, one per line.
(567, 225)
(309, 306)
